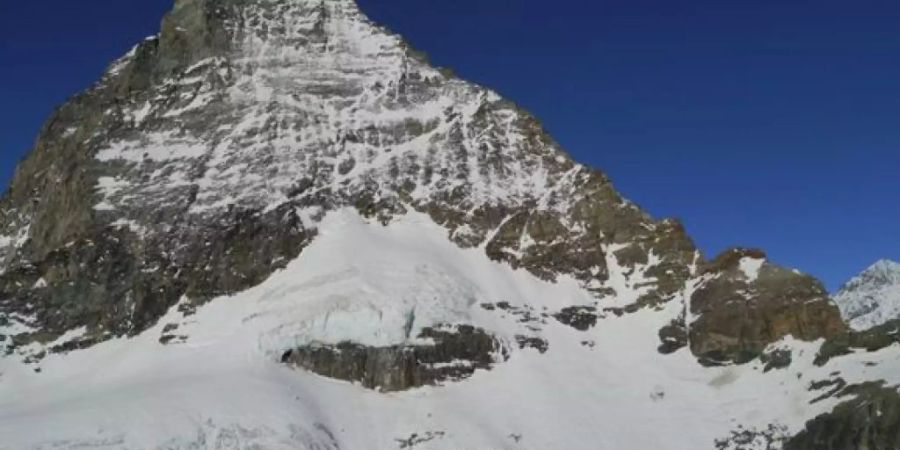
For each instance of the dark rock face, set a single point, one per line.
(828, 388)
(737, 316)
(525, 314)
(541, 345)
(456, 354)
(114, 283)
(776, 359)
(870, 421)
(871, 340)
(547, 245)
(673, 336)
(580, 318)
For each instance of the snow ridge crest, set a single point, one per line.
(872, 297)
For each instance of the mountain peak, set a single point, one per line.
(246, 122)
(885, 267)
(872, 297)
(882, 272)
(195, 30)
(283, 182)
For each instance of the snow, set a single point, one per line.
(244, 130)
(16, 324)
(131, 225)
(871, 298)
(70, 335)
(629, 283)
(17, 240)
(223, 387)
(117, 66)
(284, 108)
(110, 186)
(751, 266)
(139, 115)
(158, 147)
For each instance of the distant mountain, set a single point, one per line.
(274, 225)
(872, 297)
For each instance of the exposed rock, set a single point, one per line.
(204, 160)
(674, 336)
(770, 438)
(869, 421)
(776, 359)
(415, 439)
(523, 314)
(197, 166)
(456, 353)
(168, 339)
(539, 344)
(833, 385)
(581, 318)
(181, 173)
(872, 339)
(743, 303)
(117, 283)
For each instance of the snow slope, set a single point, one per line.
(872, 297)
(606, 388)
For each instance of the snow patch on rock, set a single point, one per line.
(751, 267)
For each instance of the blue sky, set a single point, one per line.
(772, 124)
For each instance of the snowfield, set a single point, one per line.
(221, 386)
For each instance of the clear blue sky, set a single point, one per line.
(768, 123)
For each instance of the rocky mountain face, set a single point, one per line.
(872, 297)
(741, 304)
(203, 159)
(209, 159)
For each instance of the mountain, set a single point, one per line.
(275, 225)
(872, 297)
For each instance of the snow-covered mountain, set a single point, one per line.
(872, 297)
(275, 225)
